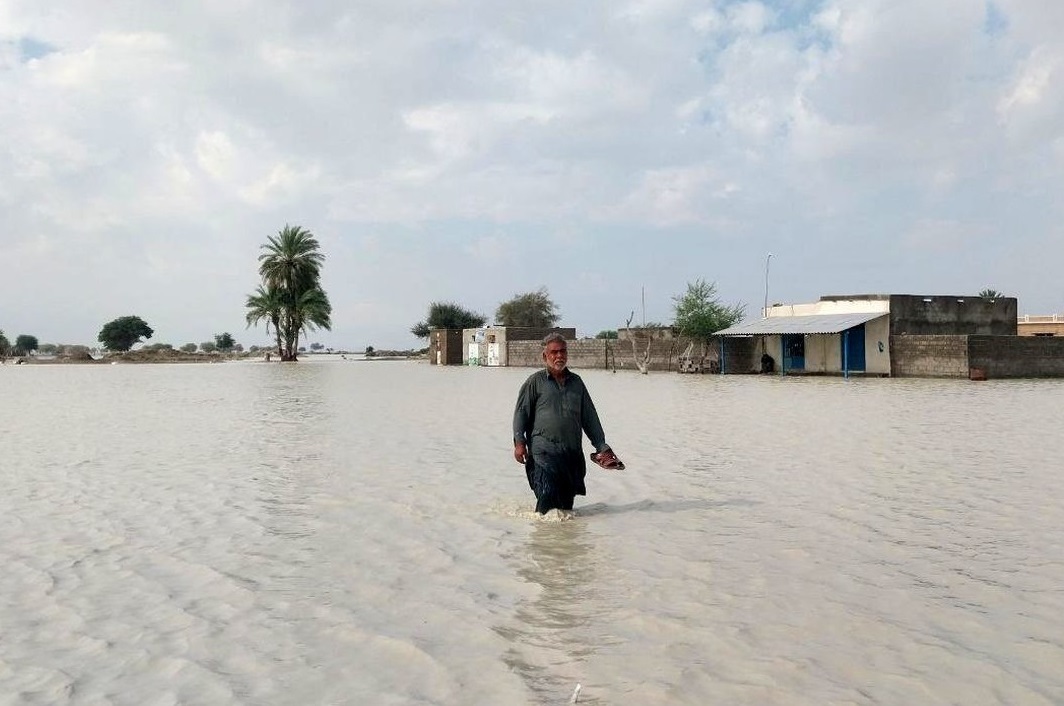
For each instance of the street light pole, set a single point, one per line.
(767, 260)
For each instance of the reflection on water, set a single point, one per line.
(555, 632)
(329, 532)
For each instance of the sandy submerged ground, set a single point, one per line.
(326, 533)
(136, 356)
(177, 356)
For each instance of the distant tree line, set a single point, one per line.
(699, 313)
(532, 309)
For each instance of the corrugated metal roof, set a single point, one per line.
(816, 323)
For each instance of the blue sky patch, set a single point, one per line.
(996, 21)
(30, 48)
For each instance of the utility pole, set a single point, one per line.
(767, 261)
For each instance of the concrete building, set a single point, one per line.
(1046, 326)
(490, 345)
(865, 334)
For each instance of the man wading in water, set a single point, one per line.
(553, 409)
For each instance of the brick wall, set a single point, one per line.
(1017, 356)
(929, 356)
(583, 353)
(600, 353)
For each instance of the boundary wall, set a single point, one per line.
(983, 355)
(1017, 356)
(929, 356)
(592, 353)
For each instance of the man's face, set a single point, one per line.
(555, 355)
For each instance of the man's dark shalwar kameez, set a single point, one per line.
(549, 419)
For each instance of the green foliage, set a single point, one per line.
(991, 294)
(189, 348)
(159, 347)
(266, 304)
(533, 309)
(370, 351)
(224, 342)
(208, 346)
(5, 345)
(610, 335)
(123, 333)
(25, 344)
(447, 315)
(290, 298)
(700, 313)
(48, 349)
(316, 346)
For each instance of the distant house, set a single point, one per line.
(871, 334)
(489, 345)
(1043, 326)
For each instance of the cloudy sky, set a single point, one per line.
(471, 150)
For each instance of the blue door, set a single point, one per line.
(793, 352)
(853, 349)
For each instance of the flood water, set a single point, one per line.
(352, 532)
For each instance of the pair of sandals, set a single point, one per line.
(608, 460)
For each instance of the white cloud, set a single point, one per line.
(1033, 102)
(677, 195)
(480, 131)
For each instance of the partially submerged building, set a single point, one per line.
(486, 345)
(891, 335)
(898, 335)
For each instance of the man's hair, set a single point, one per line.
(554, 337)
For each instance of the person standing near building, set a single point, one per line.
(553, 411)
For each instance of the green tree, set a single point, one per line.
(533, 309)
(25, 344)
(700, 313)
(266, 305)
(312, 311)
(291, 297)
(991, 294)
(208, 346)
(447, 315)
(189, 348)
(48, 348)
(610, 335)
(5, 346)
(224, 342)
(123, 333)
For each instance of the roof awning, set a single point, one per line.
(813, 324)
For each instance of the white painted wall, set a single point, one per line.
(845, 306)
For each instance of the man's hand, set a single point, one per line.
(520, 453)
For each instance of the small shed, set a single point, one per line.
(816, 343)
(445, 346)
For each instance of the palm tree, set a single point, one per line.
(290, 267)
(266, 305)
(311, 311)
(991, 294)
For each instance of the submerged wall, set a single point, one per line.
(1017, 356)
(602, 353)
(929, 356)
